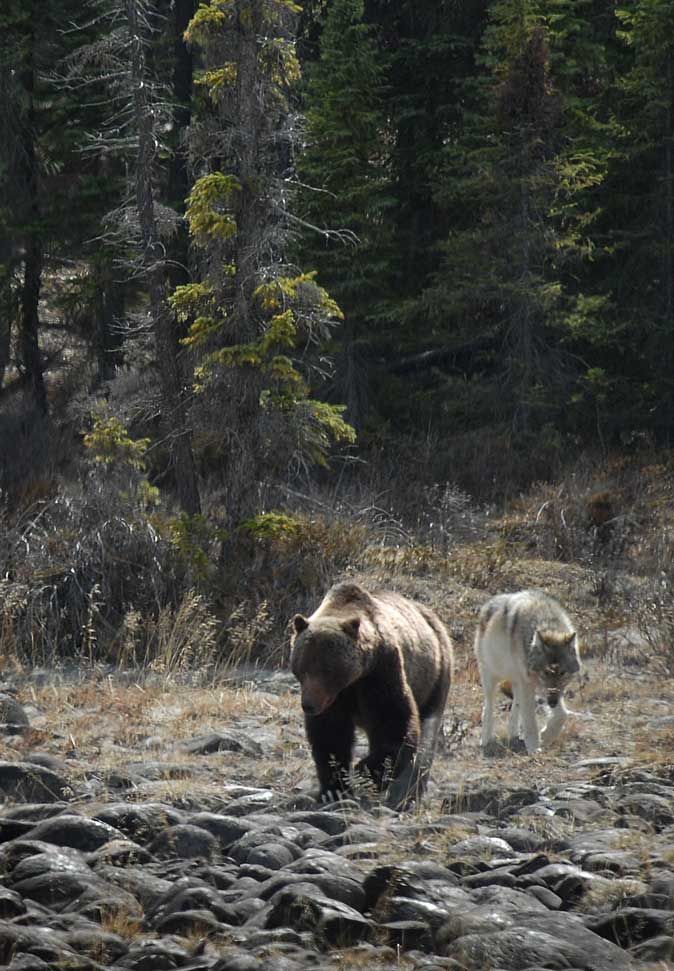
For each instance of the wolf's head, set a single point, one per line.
(554, 656)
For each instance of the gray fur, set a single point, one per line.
(526, 638)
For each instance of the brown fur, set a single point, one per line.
(379, 662)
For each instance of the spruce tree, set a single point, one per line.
(514, 184)
(253, 319)
(120, 58)
(347, 192)
(641, 208)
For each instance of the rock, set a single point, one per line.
(240, 962)
(482, 846)
(227, 829)
(487, 800)
(218, 875)
(659, 948)
(227, 741)
(656, 809)
(614, 861)
(330, 823)
(146, 887)
(356, 834)
(546, 897)
(44, 858)
(271, 855)
(361, 851)
(77, 832)
(24, 782)
(497, 877)
(11, 904)
(520, 840)
(48, 945)
(188, 896)
(142, 822)
(187, 842)
(627, 926)
(47, 761)
(35, 812)
(253, 800)
(250, 849)
(406, 909)
(27, 962)
(407, 934)
(579, 811)
(409, 880)
(154, 956)
(331, 922)
(97, 943)
(348, 890)
(524, 946)
(13, 718)
(186, 923)
(119, 852)
(11, 829)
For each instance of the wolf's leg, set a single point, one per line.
(489, 685)
(555, 722)
(526, 702)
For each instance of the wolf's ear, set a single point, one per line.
(351, 627)
(300, 623)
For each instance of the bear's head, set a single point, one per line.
(326, 659)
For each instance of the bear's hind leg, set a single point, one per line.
(331, 736)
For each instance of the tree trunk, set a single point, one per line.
(669, 219)
(174, 408)
(109, 312)
(244, 471)
(178, 181)
(32, 278)
(249, 123)
(7, 305)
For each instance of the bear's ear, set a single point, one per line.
(351, 627)
(300, 623)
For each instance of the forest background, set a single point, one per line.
(285, 288)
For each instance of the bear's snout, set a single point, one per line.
(315, 699)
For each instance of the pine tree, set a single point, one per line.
(53, 192)
(32, 142)
(347, 197)
(642, 215)
(140, 228)
(514, 185)
(250, 314)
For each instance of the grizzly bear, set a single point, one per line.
(378, 662)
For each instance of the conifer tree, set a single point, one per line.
(32, 143)
(514, 184)
(642, 213)
(52, 192)
(140, 227)
(347, 190)
(251, 314)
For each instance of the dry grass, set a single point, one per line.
(119, 921)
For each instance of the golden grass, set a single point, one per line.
(119, 921)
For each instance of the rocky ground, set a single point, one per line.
(151, 825)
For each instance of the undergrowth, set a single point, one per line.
(100, 572)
